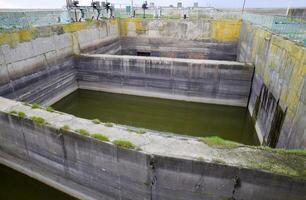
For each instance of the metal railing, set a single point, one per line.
(19, 19)
(291, 27)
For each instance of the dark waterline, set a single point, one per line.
(195, 119)
(17, 186)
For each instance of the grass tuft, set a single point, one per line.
(96, 121)
(35, 106)
(50, 109)
(82, 132)
(38, 120)
(216, 141)
(65, 128)
(99, 136)
(13, 112)
(136, 130)
(108, 124)
(124, 144)
(21, 115)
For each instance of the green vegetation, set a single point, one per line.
(65, 128)
(38, 120)
(282, 151)
(50, 109)
(96, 121)
(136, 130)
(124, 144)
(99, 136)
(216, 141)
(13, 112)
(218, 161)
(82, 132)
(21, 115)
(108, 124)
(35, 106)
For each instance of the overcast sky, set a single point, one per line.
(215, 3)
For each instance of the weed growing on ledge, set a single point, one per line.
(100, 137)
(38, 120)
(65, 128)
(50, 109)
(13, 112)
(108, 124)
(218, 161)
(82, 132)
(136, 130)
(124, 144)
(96, 121)
(216, 141)
(35, 106)
(21, 115)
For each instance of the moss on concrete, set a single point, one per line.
(99, 136)
(38, 120)
(218, 142)
(124, 143)
(82, 132)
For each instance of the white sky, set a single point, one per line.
(215, 3)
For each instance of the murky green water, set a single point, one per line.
(16, 186)
(195, 119)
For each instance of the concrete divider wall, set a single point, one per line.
(279, 67)
(215, 30)
(219, 82)
(200, 39)
(104, 171)
(36, 65)
(174, 48)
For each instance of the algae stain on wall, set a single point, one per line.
(131, 25)
(280, 64)
(226, 30)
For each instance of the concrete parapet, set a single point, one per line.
(161, 168)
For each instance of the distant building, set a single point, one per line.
(179, 4)
(195, 4)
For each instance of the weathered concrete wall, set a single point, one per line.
(218, 82)
(199, 39)
(36, 65)
(165, 168)
(280, 67)
(174, 48)
(216, 30)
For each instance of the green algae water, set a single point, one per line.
(180, 117)
(17, 186)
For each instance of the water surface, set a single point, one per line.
(180, 117)
(17, 186)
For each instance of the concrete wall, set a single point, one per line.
(174, 48)
(280, 68)
(36, 65)
(218, 82)
(197, 39)
(101, 170)
(216, 30)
